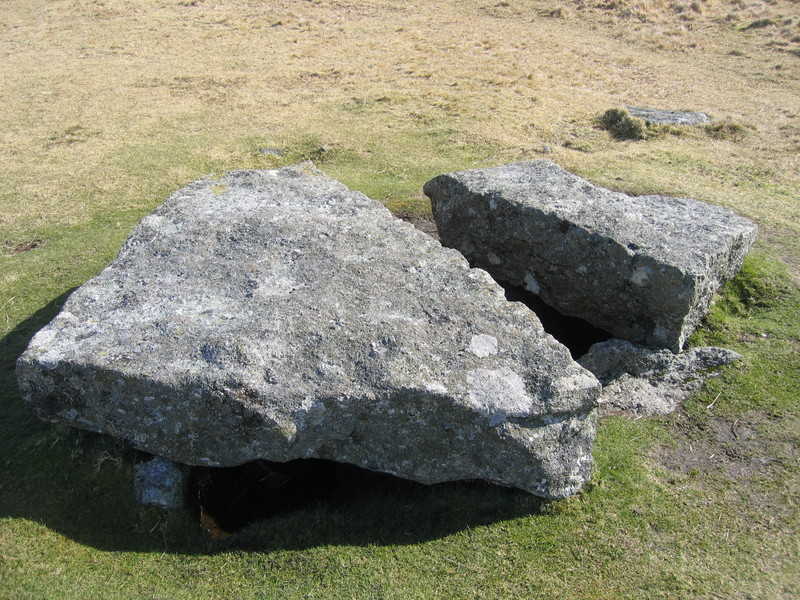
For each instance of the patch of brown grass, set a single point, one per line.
(85, 82)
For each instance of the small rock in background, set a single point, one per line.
(159, 482)
(271, 151)
(668, 117)
(643, 381)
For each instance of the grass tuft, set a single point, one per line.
(726, 130)
(622, 125)
(761, 284)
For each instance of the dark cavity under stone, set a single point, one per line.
(575, 333)
(237, 496)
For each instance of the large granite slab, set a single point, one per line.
(643, 268)
(279, 315)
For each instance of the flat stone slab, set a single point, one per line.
(278, 315)
(642, 268)
(642, 381)
(668, 117)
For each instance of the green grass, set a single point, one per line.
(756, 314)
(392, 174)
(69, 528)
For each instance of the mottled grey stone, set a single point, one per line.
(643, 381)
(271, 151)
(643, 268)
(668, 117)
(159, 482)
(278, 315)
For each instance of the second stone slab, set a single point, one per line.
(644, 268)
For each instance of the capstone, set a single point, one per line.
(279, 315)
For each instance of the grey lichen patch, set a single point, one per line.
(530, 283)
(494, 259)
(498, 393)
(640, 275)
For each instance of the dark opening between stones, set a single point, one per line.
(227, 499)
(575, 333)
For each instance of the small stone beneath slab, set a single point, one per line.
(159, 482)
(643, 381)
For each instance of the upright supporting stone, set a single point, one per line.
(159, 482)
(643, 268)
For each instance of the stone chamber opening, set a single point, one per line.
(575, 333)
(226, 499)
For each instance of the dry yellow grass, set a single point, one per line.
(92, 87)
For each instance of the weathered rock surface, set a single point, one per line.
(278, 315)
(642, 268)
(643, 381)
(668, 117)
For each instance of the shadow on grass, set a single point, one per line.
(378, 510)
(79, 485)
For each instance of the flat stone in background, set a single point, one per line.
(668, 117)
(271, 151)
(279, 315)
(643, 381)
(642, 268)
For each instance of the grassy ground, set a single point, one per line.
(108, 106)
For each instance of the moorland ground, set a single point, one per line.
(108, 106)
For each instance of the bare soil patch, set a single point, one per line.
(733, 448)
(20, 247)
(753, 454)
